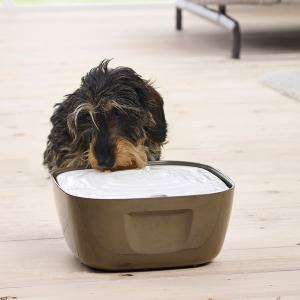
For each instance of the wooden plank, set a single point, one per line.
(50, 262)
(273, 285)
(219, 113)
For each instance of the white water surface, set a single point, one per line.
(152, 181)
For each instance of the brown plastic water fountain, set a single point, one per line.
(146, 233)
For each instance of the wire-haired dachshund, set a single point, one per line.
(114, 120)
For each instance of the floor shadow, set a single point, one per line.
(128, 273)
(275, 40)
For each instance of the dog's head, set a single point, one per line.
(117, 115)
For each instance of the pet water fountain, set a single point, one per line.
(170, 214)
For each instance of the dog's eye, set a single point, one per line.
(116, 113)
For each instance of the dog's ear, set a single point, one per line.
(157, 125)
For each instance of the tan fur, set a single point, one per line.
(127, 155)
(91, 157)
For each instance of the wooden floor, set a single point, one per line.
(219, 113)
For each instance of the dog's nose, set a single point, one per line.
(106, 162)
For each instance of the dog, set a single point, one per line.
(115, 120)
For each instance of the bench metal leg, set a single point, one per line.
(222, 9)
(217, 16)
(178, 18)
(236, 43)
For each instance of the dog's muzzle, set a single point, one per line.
(125, 155)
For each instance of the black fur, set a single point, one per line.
(110, 103)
